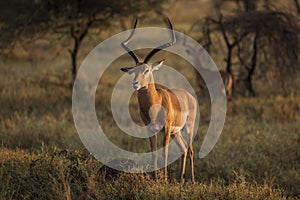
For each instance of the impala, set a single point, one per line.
(171, 110)
(211, 75)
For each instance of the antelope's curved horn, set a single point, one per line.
(163, 46)
(124, 44)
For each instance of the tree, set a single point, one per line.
(255, 37)
(70, 19)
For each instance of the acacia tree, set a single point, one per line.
(255, 38)
(71, 19)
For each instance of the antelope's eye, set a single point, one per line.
(146, 71)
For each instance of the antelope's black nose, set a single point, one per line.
(135, 85)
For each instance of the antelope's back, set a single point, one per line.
(179, 99)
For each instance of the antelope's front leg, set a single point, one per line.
(153, 145)
(166, 150)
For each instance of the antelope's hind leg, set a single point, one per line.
(190, 133)
(183, 147)
(166, 151)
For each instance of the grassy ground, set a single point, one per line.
(70, 175)
(257, 156)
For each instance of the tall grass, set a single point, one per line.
(257, 156)
(71, 175)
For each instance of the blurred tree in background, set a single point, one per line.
(257, 38)
(25, 20)
(254, 38)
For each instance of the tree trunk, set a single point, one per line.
(74, 64)
(74, 53)
(77, 35)
(252, 67)
(229, 47)
(228, 60)
(297, 5)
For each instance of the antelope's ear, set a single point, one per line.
(128, 70)
(157, 65)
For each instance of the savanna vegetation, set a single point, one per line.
(257, 155)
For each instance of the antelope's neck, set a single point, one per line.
(148, 96)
